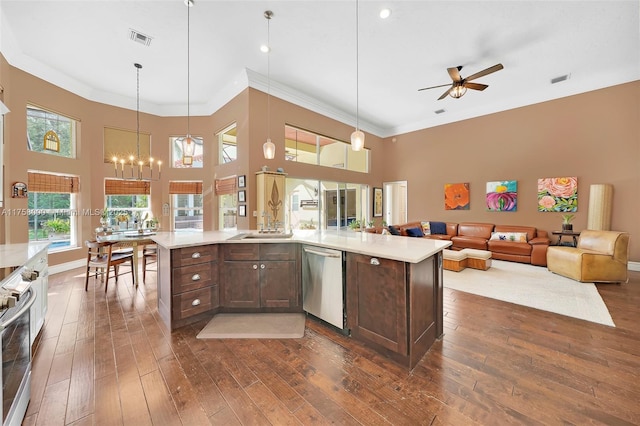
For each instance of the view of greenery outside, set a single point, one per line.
(126, 207)
(40, 122)
(187, 212)
(49, 218)
(227, 212)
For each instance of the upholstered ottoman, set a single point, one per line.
(478, 259)
(453, 260)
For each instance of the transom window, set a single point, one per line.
(50, 133)
(227, 144)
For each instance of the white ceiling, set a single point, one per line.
(84, 47)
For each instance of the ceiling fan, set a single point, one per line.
(460, 85)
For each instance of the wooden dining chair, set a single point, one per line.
(149, 255)
(101, 257)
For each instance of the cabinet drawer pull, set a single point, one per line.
(375, 261)
(195, 255)
(196, 302)
(195, 277)
(255, 266)
(262, 266)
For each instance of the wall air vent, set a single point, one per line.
(560, 78)
(138, 37)
(439, 111)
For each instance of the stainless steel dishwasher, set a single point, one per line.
(323, 285)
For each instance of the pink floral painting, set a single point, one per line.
(502, 196)
(558, 194)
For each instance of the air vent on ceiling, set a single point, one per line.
(138, 37)
(560, 78)
(439, 111)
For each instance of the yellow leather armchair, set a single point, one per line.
(601, 256)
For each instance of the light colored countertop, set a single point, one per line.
(405, 249)
(12, 255)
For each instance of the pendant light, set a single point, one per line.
(188, 145)
(357, 137)
(136, 163)
(268, 148)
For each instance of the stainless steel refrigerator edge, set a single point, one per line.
(323, 285)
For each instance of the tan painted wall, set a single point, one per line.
(594, 136)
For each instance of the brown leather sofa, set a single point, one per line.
(478, 236)
(601, 256)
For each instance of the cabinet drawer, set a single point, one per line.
(278, 251)
(241, 251)
(193, 277)
(194, 302)
(193, 255)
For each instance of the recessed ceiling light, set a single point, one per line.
(385, 13)
(264, 48)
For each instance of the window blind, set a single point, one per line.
(226, 186)
(176, 187)
(126, 187)
(45, 182)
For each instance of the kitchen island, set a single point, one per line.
(393, 294)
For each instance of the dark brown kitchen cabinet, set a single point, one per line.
(264, 277)
(395, 306)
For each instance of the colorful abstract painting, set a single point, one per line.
(502, 196)
(456, 196)
(558, 194)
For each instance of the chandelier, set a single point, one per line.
(137, 167)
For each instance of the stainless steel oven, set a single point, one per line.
(16, 357)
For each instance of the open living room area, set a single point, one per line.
(440, 198)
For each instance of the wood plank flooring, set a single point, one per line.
(108, 359)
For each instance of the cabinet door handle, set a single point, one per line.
(262, 266)
(195, 277)
(375, 261)
(195, 255)
(196, 302)
(255, 266)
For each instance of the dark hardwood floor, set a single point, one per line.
(108, 359)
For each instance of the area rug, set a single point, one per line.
(254, 326)
(533, 286)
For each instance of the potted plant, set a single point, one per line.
(57, 227)
(104, 218)
(354, 224)
(566, 222)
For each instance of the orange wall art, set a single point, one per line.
(456, 196)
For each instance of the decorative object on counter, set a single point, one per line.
(242, 181)
(264, 168)
(138, 166)
(566, 222)
(280, 170)
(269, 148)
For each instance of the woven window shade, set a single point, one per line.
(126, 187)
(185, 187)
(44, 182)
(226, 186)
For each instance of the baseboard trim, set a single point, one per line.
(64, 267)
(634, 266)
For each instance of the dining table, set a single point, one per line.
(129, 238)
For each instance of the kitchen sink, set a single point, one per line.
(262, 236)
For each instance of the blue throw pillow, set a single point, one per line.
(438, 228)
(415, 232)
(393, 230)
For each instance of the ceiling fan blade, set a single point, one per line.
(475, 86)
(454, 73)
(482, 73)
(444, 95)
(434, 87)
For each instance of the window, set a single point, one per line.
(186, 199)
(227, 145)
(177, 151)
(227, 202)
(52, 209)
(307, 147)
(127, 202)
(50, 133)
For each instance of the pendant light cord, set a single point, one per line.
(188, 69)
(138, 66)
(268, 16)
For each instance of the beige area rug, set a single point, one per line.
(533, 286)
(254, 326)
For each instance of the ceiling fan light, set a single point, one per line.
(269, 149)
(357, 140)
(458, 91)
